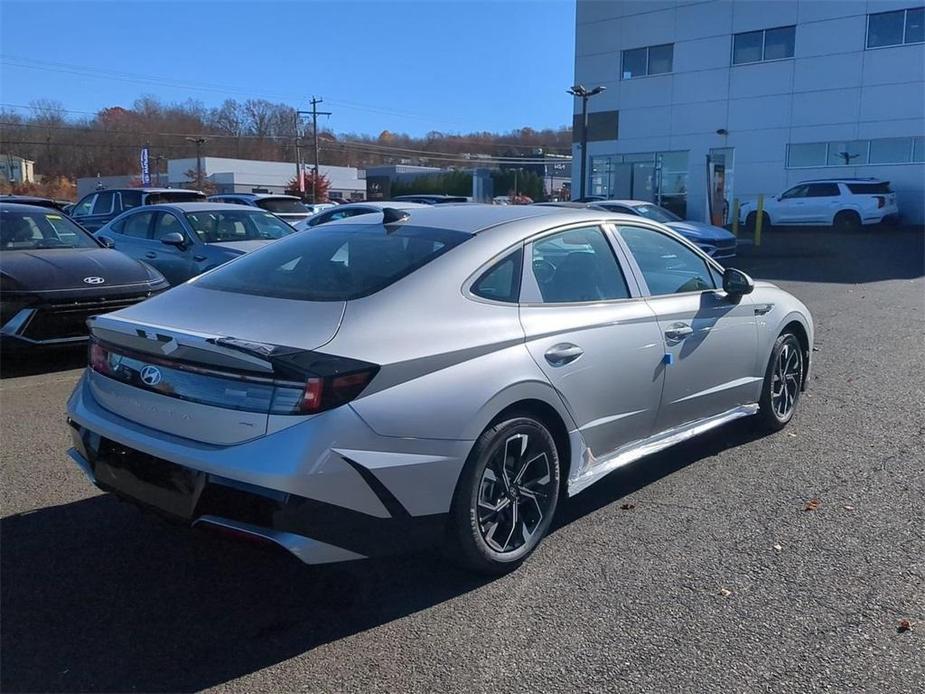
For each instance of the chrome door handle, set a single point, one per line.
(562, 354)
(199, 258)
(679, 331)
(150, 254)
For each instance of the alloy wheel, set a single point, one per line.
(786, 380)
(515, 493)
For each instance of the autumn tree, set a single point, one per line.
(322, 186)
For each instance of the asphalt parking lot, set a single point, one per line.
(699, 569)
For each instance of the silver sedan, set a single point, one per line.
(429, 375)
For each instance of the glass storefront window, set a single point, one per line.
(891, 150)
(847, 153)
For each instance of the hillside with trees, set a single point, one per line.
(69, 145)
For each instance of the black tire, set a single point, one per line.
(752, 219)
(847, 222)
(771, 415)
(483, 539)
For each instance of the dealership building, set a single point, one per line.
(711, 101)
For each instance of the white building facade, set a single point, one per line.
(718, 100)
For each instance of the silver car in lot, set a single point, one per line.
(434, 375)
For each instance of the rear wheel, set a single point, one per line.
(783, 381)
(505, 498)
(847, 221)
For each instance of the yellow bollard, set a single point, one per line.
(759, 218)
(735, 216)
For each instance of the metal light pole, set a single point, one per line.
(584, 94)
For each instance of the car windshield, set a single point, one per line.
(333, 263)
(281, 205)
(656, 213)
(221, 226)
(22, 230)
(174, 196)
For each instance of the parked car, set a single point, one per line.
(185, 239)
(287, 207)
(315, 208)
(428, 199)
(353, 210)
(96, 209)
(54, 275)
(428, 375)
(848, 204)
(59, 205)
(715, 241)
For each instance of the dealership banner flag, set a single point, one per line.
(145, 170)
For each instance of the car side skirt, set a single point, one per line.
(592, 468)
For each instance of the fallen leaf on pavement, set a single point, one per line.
(904, 625)
(791, 434)
(777, 548)
(849, 508)
(725, 592)
(627, 507)
(812, 504)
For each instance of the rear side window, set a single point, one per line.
(823, 190)
(577, 265)
(130, 199)
(501, 282)
(281, 205)
(869, 188)
(104, 203)
(333, 263)
(136, 225)
(174, 196)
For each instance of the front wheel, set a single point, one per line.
(783, 381)
(505, 498)
(751, 221)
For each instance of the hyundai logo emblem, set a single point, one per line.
(150, 375)
(94, 280)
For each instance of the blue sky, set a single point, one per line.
(379, 65)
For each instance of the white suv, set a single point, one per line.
(844, 203)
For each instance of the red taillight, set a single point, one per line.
(99, 359)
(881, 201)
(324, 393)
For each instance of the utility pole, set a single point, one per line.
(314, 114)
(584, 94)
(200, 141)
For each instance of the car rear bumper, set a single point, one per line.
(364, 495)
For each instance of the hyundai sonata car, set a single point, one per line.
(433, 376)
(183, 240)
(54, 275)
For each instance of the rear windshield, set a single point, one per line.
(174, 196)
(335, 263)
(40, 229)
(281, 205)
(656, 213)
(869, 188)
(221, 226)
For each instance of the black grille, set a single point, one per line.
(69, 319)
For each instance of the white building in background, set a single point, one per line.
(16, 169)
(708, 101)
(253, 176)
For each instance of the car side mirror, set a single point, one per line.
(106, 241)
(174, 238)
(736, 282)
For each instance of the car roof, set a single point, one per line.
(196, 207)
(475, 218)
(25, 207)
(629, 203)
(842, 180)
(563, 203)
(254, 196)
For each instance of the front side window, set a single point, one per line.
(667, 265)
(896, 28)
(501, 282)
(166, 224)
(26, 231)
(795, 192)
(219, 226)
(337, 263)
(82, 208)
(651, 60)
(767, 44)
(104, 203)
(577, 265)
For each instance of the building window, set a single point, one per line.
(887, 150)
(767, 44)
(896, 28)
(652, 60)
(660, 177)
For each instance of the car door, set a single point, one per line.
(593, 336)
(174, 262)
(791, 208)
(822, 202)
(711, 340)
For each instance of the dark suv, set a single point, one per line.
(97, 208)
